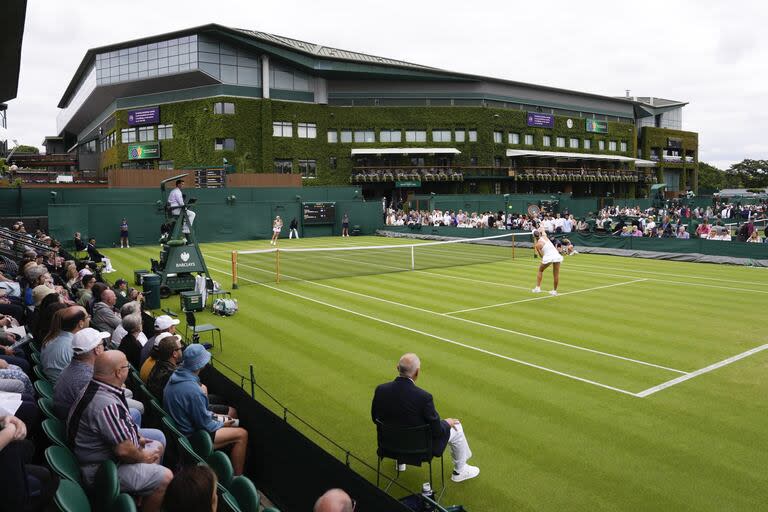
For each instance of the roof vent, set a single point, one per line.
(628, 96)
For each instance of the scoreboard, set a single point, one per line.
(319, 213)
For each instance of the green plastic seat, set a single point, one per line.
(63, 463)
(202, 444)
(44, 388)
(221, 465)
(188, 455)
(35, 356)
(70, 497)
(38, 370)
(55, 431)
(245, 493)
(34, 348)
(46, 405)
(106, 487)
(228, 503)
(170, 426)
(124, 503)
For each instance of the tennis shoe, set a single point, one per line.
(466, 473)
(536, 290)
(553, 293)
(400, 467)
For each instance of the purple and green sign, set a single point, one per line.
(541, 120)
(144, 151)
(596, 126)
(144, 116)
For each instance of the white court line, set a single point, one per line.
(440, 338)
(707, 369)
(489, 326)
(545, 296)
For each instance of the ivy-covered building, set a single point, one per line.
(266, 103)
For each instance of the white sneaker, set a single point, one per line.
(465, 474)
(553, 293)
(536, 290)
(401, 467)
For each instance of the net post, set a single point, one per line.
(513, 246)
(277, 265)
(234, 270)
(413, 259)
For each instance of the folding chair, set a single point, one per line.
(203, 328)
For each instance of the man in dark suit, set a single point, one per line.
(402, 403)
(95, 255)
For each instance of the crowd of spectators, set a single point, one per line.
(79, 338)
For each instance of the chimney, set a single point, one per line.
(650, 101)
(628, 96)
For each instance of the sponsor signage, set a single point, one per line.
(407, 184)
(541, 120)
(144, 116)
(597, 126)
(185, 261)
(144, 151)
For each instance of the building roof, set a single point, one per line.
(12, 19)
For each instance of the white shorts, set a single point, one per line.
(276, 230)
(556, 258)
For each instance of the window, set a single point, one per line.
(308, 168)
(283, 166)
(223, 108)
(497, 137)
(573, 143)
(497, 161)
(472, 135)
(146, 133)
(282, 129)
(332, 162)
(441, 135)
(346, 136)
(473, 160)
(587, 144)
(415, 136)
(528, 139)
(390, 136)
(333, 136)
(459, 135)
(164, 131)
(128, 135)
(224, 145)
(560, 142)
(546, 141)
(612, 145)
(601, 145)
(623, 147)
(307, 131)
(90, 146)
(514, 138)
(365, 136)
(165, 165)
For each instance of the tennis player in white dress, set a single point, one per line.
(549, 256)
(277, 227)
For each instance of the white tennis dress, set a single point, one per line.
(550, 254)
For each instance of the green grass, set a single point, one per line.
(543, 440)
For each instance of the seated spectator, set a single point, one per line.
(755, 237)
(85, 295)
(130, 345)
(10, 377)
(682, 233)
(193, 489)
(169, 355)
(187, 403)
(57, 345)
(39, 322)
(100, 428)
(334, 500)
(79, 243)
(96, 256)
(129, 308)
(105, 317)
(163, 323)
(121, 292)
(87, 344)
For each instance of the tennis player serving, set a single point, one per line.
(549, 256)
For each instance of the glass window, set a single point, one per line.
(282, 129)
(283, 166)
(460, 135)
(514, 138)
(573, 143)
(223, 108)
(623, 147)
(528, 139)
(587, 143)
(546, 141)
(308, 168)
(333, 136)
(441, 135)
(128, 135)
(473, 160)
(346, 135)
(497, 161)
(497, 137)
(165, 165)
(365, 136)
(472, 135)
(612, 145)
(560, 142)
(601, 145)
(146, 133)
(415, 136)
(390, 136)
(332, 162)
(164, 131)
(307, 131)
(224, 144)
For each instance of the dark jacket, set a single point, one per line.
(93, 253)
(79, 244)
(402, 403)
(159, 376)
(131, 347)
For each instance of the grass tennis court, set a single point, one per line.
(641, 387)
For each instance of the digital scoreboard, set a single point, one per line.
(319, 213)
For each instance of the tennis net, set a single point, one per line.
(311, 264)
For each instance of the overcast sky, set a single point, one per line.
(711, 54)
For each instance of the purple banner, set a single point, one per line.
(541, 120)
(144, 116)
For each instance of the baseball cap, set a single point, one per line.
(85, 272)
(164, 322)
(87, 340)
(195, 357)
(40, 292)
(160, 337)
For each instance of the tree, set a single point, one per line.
(750, 173)
(710, 177)
(26, 149)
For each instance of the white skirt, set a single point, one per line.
(554, 258)
(276, 230)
